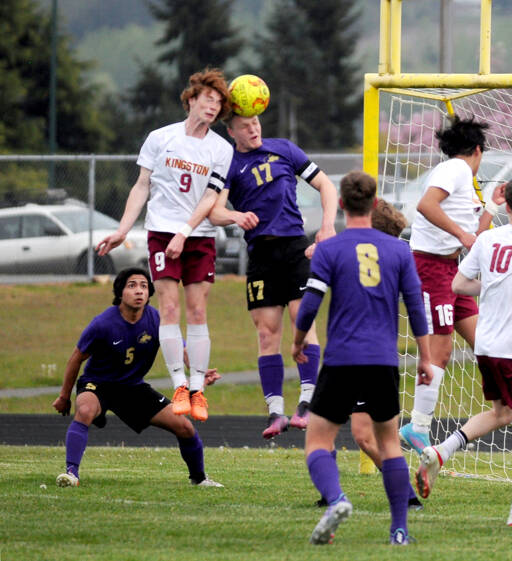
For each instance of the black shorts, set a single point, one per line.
(134, 405)
(342, 390)
(277, 271)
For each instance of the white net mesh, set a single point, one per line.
(409, 121)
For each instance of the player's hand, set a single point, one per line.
(425, 374)
(175, 246)
(498, 195)
(247, 220)
(467, 239)
(310, 250)
(62, 405)
(211, 376)
(298, 352)
(110, 242)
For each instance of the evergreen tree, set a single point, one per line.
(25, 34)
(309, 70)
(197, 34)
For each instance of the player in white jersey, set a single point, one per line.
(183, 168)
(491, 258)
(449, 218)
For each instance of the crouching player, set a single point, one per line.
(120, 346)
(366, 271)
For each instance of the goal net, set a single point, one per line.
(409, 119)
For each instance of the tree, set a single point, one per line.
(197, 34)
(309, 69)
(24, 86)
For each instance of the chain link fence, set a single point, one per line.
(55, 209)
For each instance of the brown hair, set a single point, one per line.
(212, 78)
(358, 191)
(388, 219)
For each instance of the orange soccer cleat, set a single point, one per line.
(181, 401)
(199, 406)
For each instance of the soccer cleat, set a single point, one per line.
(416, 440)
(430, 465)
(198, 406)
(333, 516)
(414, 504)
(509, 521)
(67, 480)
(206, 482)
(181, 401)
(301, 416)
(276, 424)
(400, 537)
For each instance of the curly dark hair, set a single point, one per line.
(212, 78)
(122, 278)
(462, 137)
(358, 190)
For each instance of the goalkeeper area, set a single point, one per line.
(409, 120)
(402, 112)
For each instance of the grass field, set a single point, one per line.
(135, 504)
(41, 325)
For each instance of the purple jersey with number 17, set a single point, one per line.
(366, 271)
(264, 181)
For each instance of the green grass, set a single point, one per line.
(135, 504)
(42, 323)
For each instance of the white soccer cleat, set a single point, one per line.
(67, 480)
(333, 516)
(428, 471)
(207, 482)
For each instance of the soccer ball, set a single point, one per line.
(249, 95)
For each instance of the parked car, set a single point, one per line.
(53, 239)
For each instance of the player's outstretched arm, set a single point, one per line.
(329, 200)
(220, 215)
(203, 208)
(430, 207)
(137, 198)
(462, 285)
(63, 403)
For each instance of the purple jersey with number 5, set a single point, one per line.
(120, 351)
(263, 181)
(366, 271)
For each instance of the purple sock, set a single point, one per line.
(308, 371)
(395, 474)
(76, 442)
(323, 471)
(271, 368)
(191, 450)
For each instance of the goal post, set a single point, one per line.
(402, 112)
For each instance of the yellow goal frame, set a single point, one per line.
(389, 76)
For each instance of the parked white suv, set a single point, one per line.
(53, 239)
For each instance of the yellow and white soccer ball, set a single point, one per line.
(249, 95)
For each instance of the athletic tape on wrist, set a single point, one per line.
(491, 207)
(186, 230)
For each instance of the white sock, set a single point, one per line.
(454, 442)
(198, 349)
(275, 404)
(425, 400)
(171, 343)
(306, 392)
